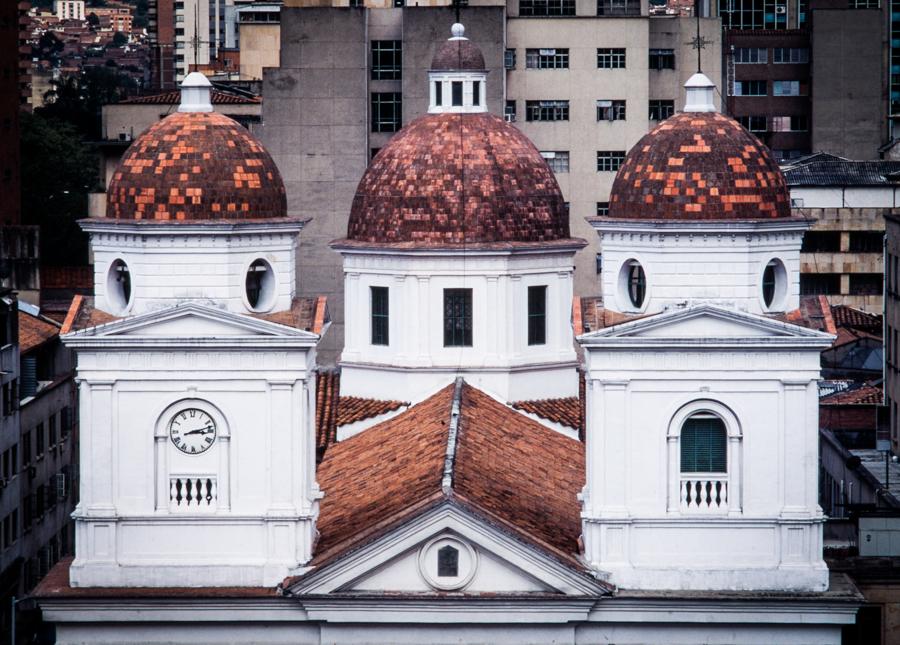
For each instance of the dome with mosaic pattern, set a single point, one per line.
(699, 165)
(196, 165)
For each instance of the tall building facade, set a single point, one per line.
(583, 80)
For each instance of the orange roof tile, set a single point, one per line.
(566, 411)
(354, 408)
(34, 331)
(865, 394)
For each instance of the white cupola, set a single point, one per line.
(457, 76)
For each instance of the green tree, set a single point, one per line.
(93, 20)
(78, 99)
(119, 39)
(58, 172)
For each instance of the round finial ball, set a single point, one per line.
(457, 30)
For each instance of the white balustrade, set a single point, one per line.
(704, 494)
(192, 493)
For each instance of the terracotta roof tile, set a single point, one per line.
(302, 314)
(594, 316)
(508, 468)
(457, 55)
(328, 385)
(196, 166)
(174, 98)
(34, 331)
(354, 408)
(814, 313)
(699, 166)
(865, 394)
(845, 316)
(565, 411)
(82, 315)
(447, 180)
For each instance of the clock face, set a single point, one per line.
(192, 431)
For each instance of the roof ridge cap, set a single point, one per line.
(452, 438)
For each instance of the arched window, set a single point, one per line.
(448, 562)
(637, 284)
(768, 283)
(704, 444)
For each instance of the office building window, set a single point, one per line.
(609, 110)
(380, 307)
(750, 88)
(537, 315)
(457, 317)
(866, 241)
(546, 7)
(557, 160)
(609, 160)
(602, 210)
(456, 93)
(387, 61)
(821, 242)
(546, 110)
(509, 59)
(611, 58)
(789, 88)
(866, 284)
(618, 7)
(796, 123)
(546, 58)
(662, 59)
(509, 111)
(753, 123)
(820, 284)
(790, 55)
(750, 55)
(386, 111)
(661, 109)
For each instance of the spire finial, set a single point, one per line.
(458, 31)
(195, 93)
(699, 94)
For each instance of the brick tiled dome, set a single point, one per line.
(699, 165)
(196, 166)
(454, 179)
(457, 55)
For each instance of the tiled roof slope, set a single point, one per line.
(448, 180)
(355, 408)
(698, 165)
(457, 55)
(566, 411)
(174, 98)
(328, 385)
(34, 331)
(196, 166)
(853, 318)
(511, 470)
(865, 394)
(842, 172)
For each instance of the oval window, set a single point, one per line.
(774, 285)
(637, 284)
(118, 286)
(259, 285)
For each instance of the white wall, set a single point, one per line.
(416, 363)
(845, 197)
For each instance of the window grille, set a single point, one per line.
(750, 55)
(386, 111)
(661, 109)
(609, 110)
(755, 123)
(618, 7)
(610, 58)
(380, 307)
(662, 59)
(457, 317)
(750, 88)
(537, 315)
(558, 160)
(795, 55)
(546, 58)
(546, 110)
(546, 8)
(703, 445)
(609, 160)
(387, 60)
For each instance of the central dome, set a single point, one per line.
(456, 179)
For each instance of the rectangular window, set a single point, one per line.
(438, 93)
(380, 308)
(866, 284)
(820, 284)
(749, 88)
(866, 241)
(609, 110)
(26, 449)
(509, 59)
(387, 60)
(750, 55)
(661, 109)
(537, 315)
(457, 317)
(39, 439)
(509, 111)
(821, 242)
(602, 209)
(557, 160)
(790, 55)
(789, 88)
(546, 8)
(610, 58)
(476, 93)
(662, 59)
(753, 123)
(456, 93)
(546, 110)
(51, 430)
(546, 58)
(609, 160)
(618, 7)
(386, 111)
(795, 123)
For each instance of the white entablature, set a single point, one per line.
(702, 428)
(197, 455)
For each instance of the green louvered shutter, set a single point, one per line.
(703, 444)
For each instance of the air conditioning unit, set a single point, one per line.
(509, 118)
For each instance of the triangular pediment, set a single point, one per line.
(484, 560)
(191, 320)
(708, 324)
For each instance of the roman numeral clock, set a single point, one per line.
(192, 431)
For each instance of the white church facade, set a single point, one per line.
(677, 505)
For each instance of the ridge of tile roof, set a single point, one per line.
(395, 470)
(865, 394)
(34, 331)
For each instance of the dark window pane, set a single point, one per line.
(457, 317)
(821, 242)
(637, 284)
(820, 284)
(448, 562)
(476, 93)
(537, 315)
(768, 284)
(438, 93)
(386, 60)
(380, 306)
(866, 284)
(456, 88)
(662, 59)
(546, 7)
(866, 241)
(386, 111)
(703, 445)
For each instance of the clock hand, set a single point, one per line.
(205, 430)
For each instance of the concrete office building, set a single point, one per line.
(584, 80)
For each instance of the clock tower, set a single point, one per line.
(195, 367)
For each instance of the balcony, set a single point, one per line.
(193, 493)
(705, 494)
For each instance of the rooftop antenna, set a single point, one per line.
(456, 6)
(698, 42)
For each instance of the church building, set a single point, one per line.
(498, 461)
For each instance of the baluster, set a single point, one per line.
(684, 494)
(173, 493)
(213, 491)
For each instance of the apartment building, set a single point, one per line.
(69, 9)
(583, 79)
